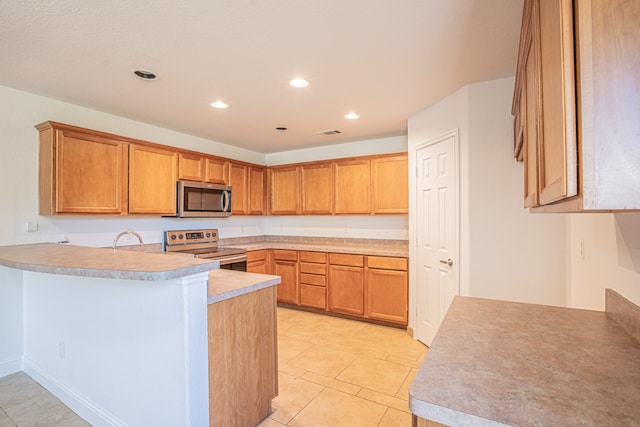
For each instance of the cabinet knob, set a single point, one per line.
(449, 262)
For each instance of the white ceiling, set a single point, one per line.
(384, 59)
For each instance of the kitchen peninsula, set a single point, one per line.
(124, 338)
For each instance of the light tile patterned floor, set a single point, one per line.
(338, 372)
(333, 372)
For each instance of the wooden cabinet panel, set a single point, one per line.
(283, 190)
(557, 167)
(313, 279)
(313, 268)
(387, 263)
(81, 172)
(152, 180)
(387, 295)
(313, 296)
(346, 289)
(390, 184)
(258, 262)
(530, 98)
(352, 186)
(191, 167)
(316, 181)
(238, 180)
(257, 191)
(217, 170)
(259, 255)
(285, 254)
(317, 257)
(288, 287)
(346, 259)
(243, 358)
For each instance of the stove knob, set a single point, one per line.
(208, 234)
(214, 234)
(173, 237)
(180, 236)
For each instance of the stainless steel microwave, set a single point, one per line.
(203, 200)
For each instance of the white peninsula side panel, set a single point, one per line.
(120, 352)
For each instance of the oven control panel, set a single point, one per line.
(181, 237)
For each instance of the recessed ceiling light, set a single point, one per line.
(145, 74)
(219, 104)
(351, 116)
(299, 82)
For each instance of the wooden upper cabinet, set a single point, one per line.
(582, 61)
(257, 190)
(352, 186)
(557, 162)
(284, 190)
(390, 184)
(217, 170)
(191, 167)
(239, 180)
(316, 188)
(153, 174)
(81, 171)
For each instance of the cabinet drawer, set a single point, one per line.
(387, 263)
(318, 257)
(313, 279)
(313, 296)
(308, 267)
(346, 259)
(256, 255)
(285, 255)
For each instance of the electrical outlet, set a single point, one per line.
(31, 226)
(61, 350)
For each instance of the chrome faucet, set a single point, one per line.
(115, 241)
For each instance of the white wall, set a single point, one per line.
(505, 252)
(611, 257)
(11, 323)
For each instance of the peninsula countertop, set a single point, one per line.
(496, 363)
(225, 284)
(86, 261)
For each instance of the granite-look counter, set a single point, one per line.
(85, 261)
(496, 363)
(375, 247)
(225, 284)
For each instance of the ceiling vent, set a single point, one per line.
(328, 132)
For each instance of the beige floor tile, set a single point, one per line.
(5, 421)
(322, 360)
(384, 399)
(18, 387)
(332, 383)
(290, 370)
(268, 422)
(288, 348)
(394, 418)
(378, 375)
(40, 411)
(332, 408)
(404, 362)
(293, 395)
(403, 393)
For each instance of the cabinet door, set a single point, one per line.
(152, 180)
(352, 186)
(558, 168)
(257, 261)
(238, 176)
(346, 289)
(217, 170)
(391, 184)
(90, 173)
(288, 287)
(387, 295)
(316, 181)
(530, 108)
(283, 190)
(257, 190)
(191, 167)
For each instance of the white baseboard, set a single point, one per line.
(11, 366)
(90, 411)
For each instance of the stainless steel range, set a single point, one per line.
(204, 244)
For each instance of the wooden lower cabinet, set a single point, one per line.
(313, 279)
(421, 422)
(243, 358)
(285, 265)
(346, 284)
(387, 289)
(258, 262)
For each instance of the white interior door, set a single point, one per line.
(437, 225)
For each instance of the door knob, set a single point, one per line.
(449, 262)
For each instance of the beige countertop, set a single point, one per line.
(85, 261)
(225, 284)
(497, 363)
(375, 247)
